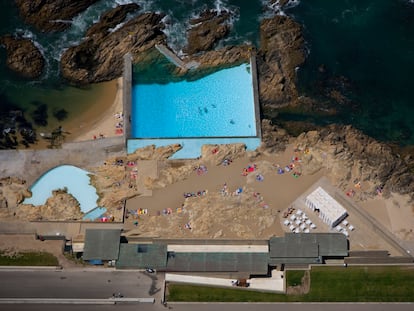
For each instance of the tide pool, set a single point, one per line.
(76, 181)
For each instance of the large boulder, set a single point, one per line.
(100, 56)
(23, 57)
(51, 15)
(206, 30)
(281, 52)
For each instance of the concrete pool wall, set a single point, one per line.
(133, 143)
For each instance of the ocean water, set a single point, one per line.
(365, 46)
(218, 105)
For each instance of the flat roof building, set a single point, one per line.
(307, 248)
(330, 211)
(102, 244)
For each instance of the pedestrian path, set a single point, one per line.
(275, 283)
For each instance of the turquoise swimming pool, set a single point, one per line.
(218, 105)
(76, 180)
(220, 108)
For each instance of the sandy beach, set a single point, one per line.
(254, 213)
(257, 211)
(100, 119)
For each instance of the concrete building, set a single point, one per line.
(330, 211)
(101, 245)
(306, 248)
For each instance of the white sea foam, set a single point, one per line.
(220, 6)
(122, 2)
(145, 5)
(176, 33)
(272, 9)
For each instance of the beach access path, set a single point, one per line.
(31, 164)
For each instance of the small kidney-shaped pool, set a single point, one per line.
(76, 180)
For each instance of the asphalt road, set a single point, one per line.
(215, 307)
(101, 284)
(88, 283)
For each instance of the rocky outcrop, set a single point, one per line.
(281, 52)
(274, 139)
(61, 206)
(51, 15)
(206, 30)
(23, 57)
(111, 19)
(352, 157)
(12, 192)
(100, 56)
(211, 61)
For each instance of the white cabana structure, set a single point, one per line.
(330, 211)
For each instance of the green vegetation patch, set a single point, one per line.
(28, 259)
(178, 292)
(362, 284)
(294, 277)
(328, 284)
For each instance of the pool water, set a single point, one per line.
(94, 214)
(217, 105)
(76, 181)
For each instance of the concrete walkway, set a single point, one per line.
(31, 164)
(76, 301)
(275, 283)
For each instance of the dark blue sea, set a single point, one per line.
(362, 50)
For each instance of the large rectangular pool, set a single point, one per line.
(218, 108)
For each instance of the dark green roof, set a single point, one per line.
(101, 244)
(141, 256)
(294, 261)
(308, 245)
(255, 263)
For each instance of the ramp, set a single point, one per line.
(170, 56)
(173, 58)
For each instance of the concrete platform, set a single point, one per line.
(275, 283)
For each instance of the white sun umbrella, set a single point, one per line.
(302, 226)
(286, 222)
(292, 227)
(313, 226)
(308, 222)
(293, 217)
(298, 222)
